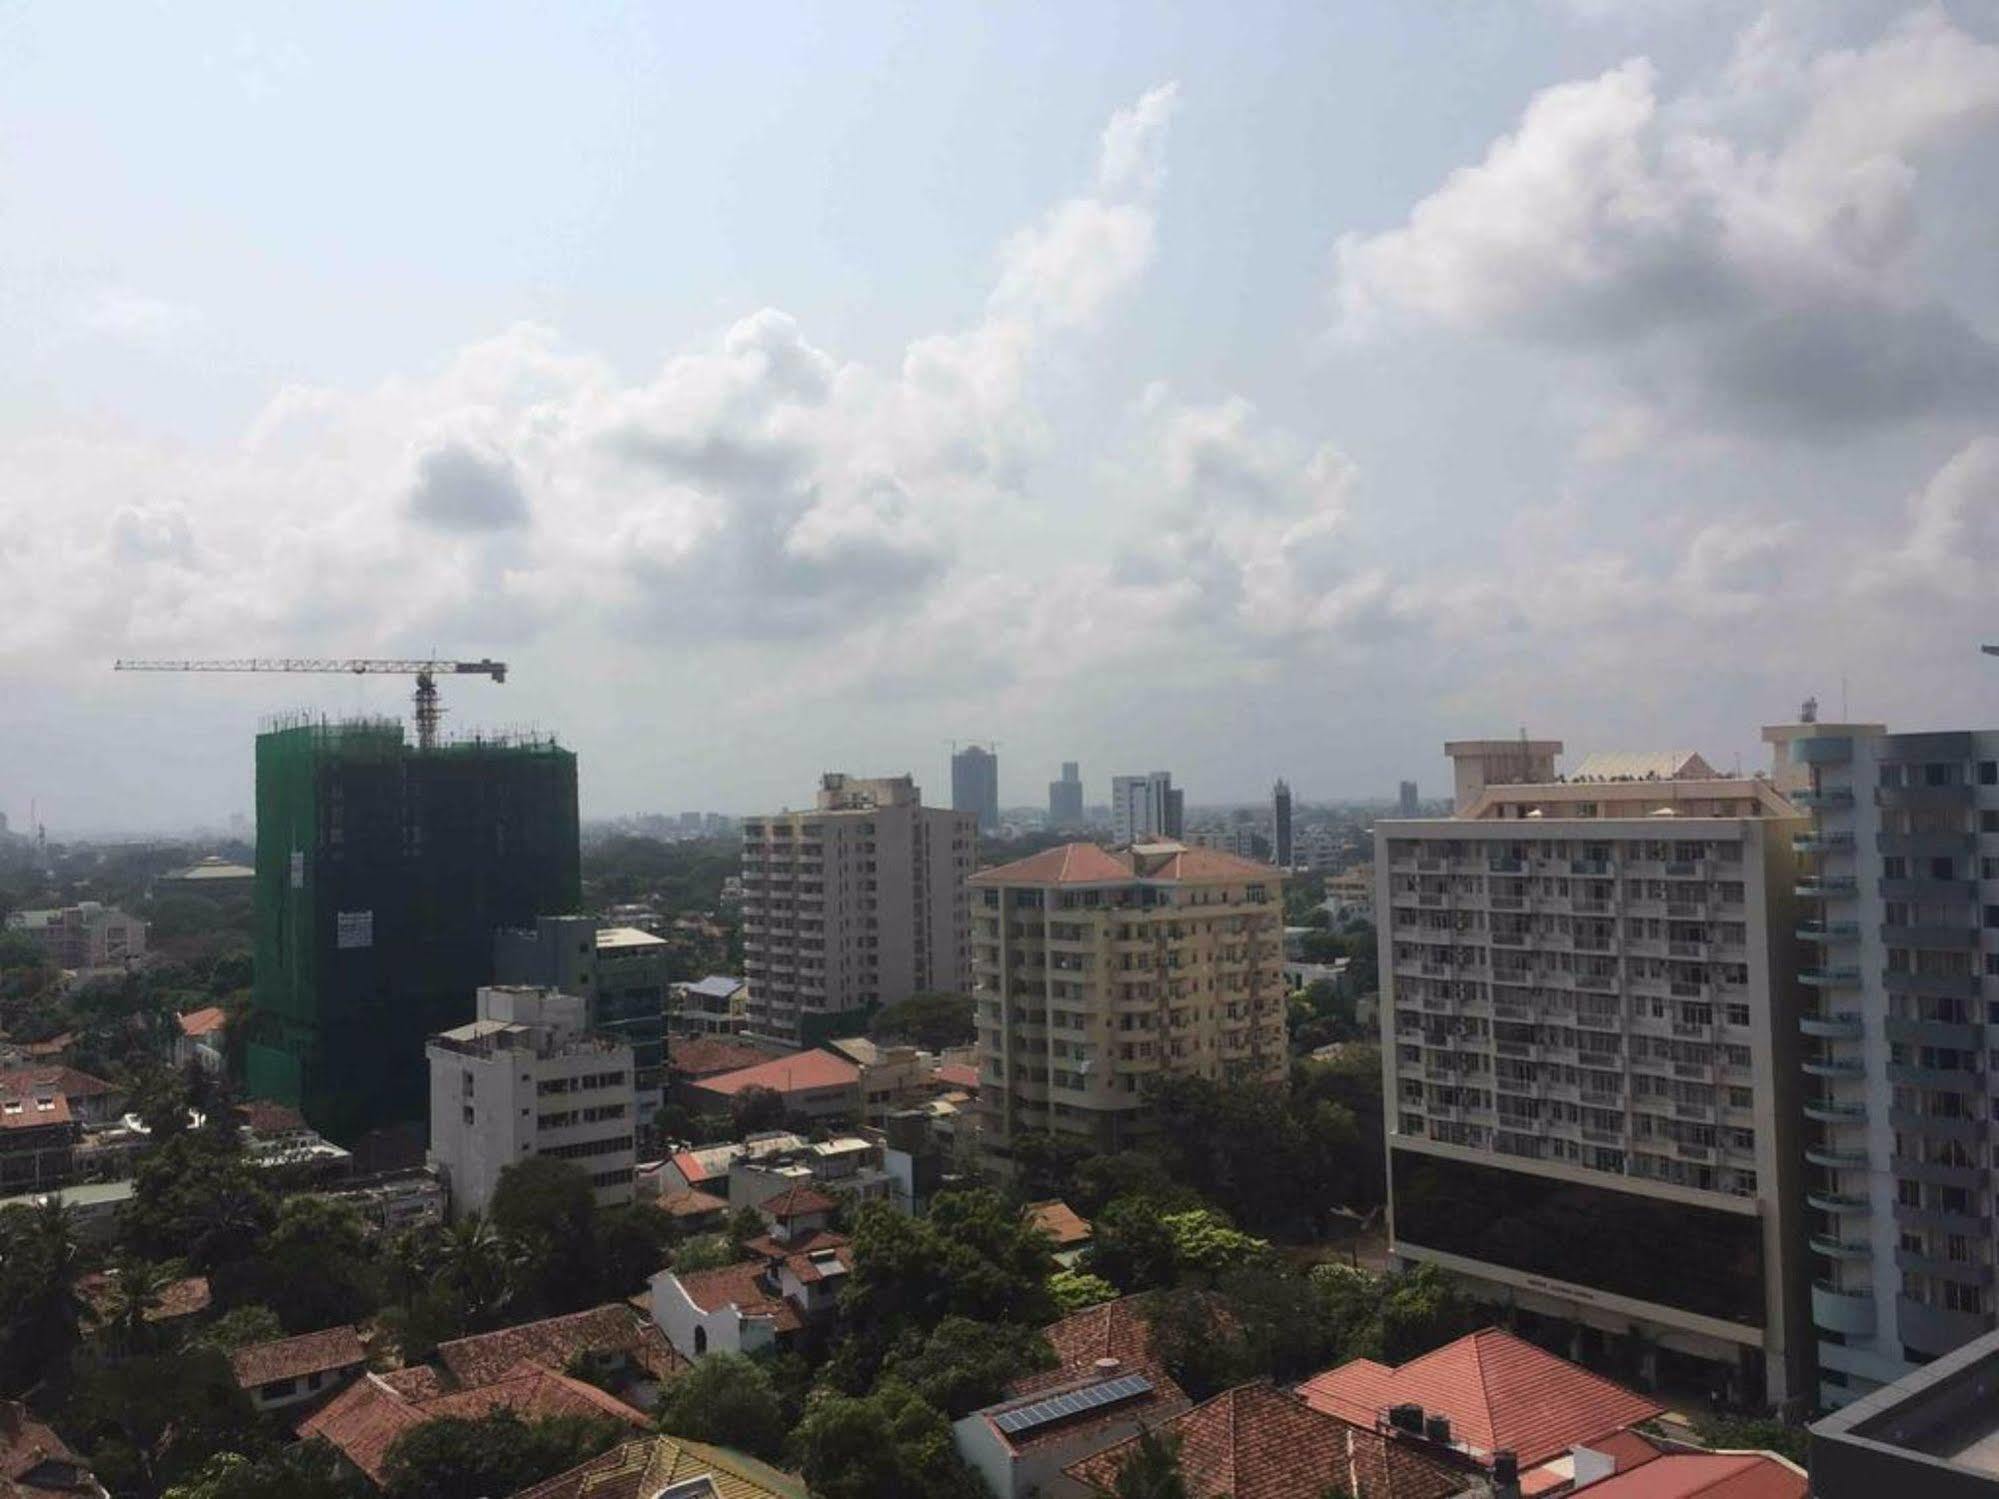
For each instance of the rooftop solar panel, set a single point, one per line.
(1072, 1403)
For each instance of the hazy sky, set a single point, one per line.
(1241, 389)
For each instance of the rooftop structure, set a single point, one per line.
(383, 871)
(1479, 763)
(663, 1467)
(620, 971)
(84, 936)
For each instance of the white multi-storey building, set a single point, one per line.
(528, 1079)
(1146, 807)
(1901, 890)
(855, 904)
(1590, 1046)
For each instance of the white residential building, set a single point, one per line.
(525, 1079)
(1590, 1047)
(853, 905)
(83, 936)
(1900, 886)
(1145, 808)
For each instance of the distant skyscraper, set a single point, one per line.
(1280, 823)
(1145, 807)
(1407, 804)
(1065, 798)
(975, 785)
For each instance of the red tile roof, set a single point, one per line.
(1059, 1222)
(1087, 864)
(178, 1298)
(1500, 1392)
(364, 1420)
(613, 1328)
(1115, 1329)
(705, 1056)
(1704, 1475)
(956, 1075)
(1625, 1448)
(31, 1105)
(1254, 1442)
(266, 1116)
(293, 1358)
(740, 1285)
(66, 1080)
(771, 1249)
(801, 1201)
(793, 1074)
(203, 1022)
(35, 1463)
(691, 1203)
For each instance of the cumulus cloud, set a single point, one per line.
(1951, 547)
(1771, 287)
(133, 317)
(462, 487)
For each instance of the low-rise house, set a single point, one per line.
(1064, 1228)
(694, 1212)
(201, 1039)
(1708, 1475)
(92, 1101)
(275, 1134)
(1255, 1442)
(849, 1164)
(363, 1421)
(291, 1371)
(394, 1200)
(179, 1300)
(668, 1468)
(789, 1280)
(1932, 1434)
(93, 1206)
(815, 1085)
(706, 1168)
(694, 1059)
(622, 1345)
(1107, 1385)
(1490, 1397)
(35, 1463)
(38, 1134)
(717, 1005)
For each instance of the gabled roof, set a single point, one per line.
(742, 1286)
(704, 1056)
(1089, 864)
(650, 1465)
(1705, 1475)
(203, 1022)
(611, 1328)
(1114, 1329)
(691, 1203)
(801, 1201)
(186, 1297)
(266, 1116)
(794, 1074)
(1643, 765)
(1500, 1393)
(34, 1461)
(65, 1080)
(1059, 1222)
(956, 1075)
(365, 1419)
(1255, 1442)
(293, 1358)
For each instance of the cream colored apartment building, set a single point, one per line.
(1098, 970)
(1590, 1042)
(853, 905)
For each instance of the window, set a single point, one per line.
(1988, 772)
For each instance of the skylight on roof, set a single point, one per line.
(1096, 1397)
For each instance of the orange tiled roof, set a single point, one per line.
(293, 1358)
(956, 1075)
(203, 1022)
(33, 1459)
(1116, 1329)
(740, 1285)
(770, 1248)
(704, 1056)
(1255, 1442)
(364, 1420)
(800, 1201)
(1704, 1475)
(793, 1074)
(1088, 864)
(186, 1297)
(266, 1116)
(553, 1341)
(691, 1203)
(1500, 1392)
(66, 1080)
(1059, 1222)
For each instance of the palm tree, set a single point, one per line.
(52, 1310)
(137, 1286)
(476, 1261)
(1151, 1470)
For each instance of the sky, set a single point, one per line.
(1244, 390)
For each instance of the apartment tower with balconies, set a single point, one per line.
(1099, 970)
(1900, 883)
(853, 905)
(1590, 1050)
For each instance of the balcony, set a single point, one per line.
(1936, 1173)
(1927, 845)
(1832, 976)
(1962, 1271)
(1835, 1160)
(1838, 1202)
(1935, 985)
(1929, 892)
(1949, 1079)
(1925, 798)
(1827, 1111)
(1933, 938)
(1934, 1330)
(1845, 1025)
(1822, 843)
(1840, 1249)
(1843, 1311)
(1961, 1035)
(1824, 797)
(1825, 886)
(1829, 931)
(1835, 1067)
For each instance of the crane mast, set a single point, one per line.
(426, 670)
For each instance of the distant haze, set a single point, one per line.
(1239, 390)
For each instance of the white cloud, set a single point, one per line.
(133, 317)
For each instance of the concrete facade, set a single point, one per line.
(525, 1079)
(83, 936)
(1899, 883)
(975, 785)
(1065, 798)
(1146, 807)
(853, 905)
(1588, 1007)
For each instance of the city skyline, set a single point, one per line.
(1115, 391)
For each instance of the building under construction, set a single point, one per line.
(383, 871)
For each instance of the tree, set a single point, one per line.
(1131, 1246)
(728, 1400)
(1205, 1244)
(475, 1269)
(305, 1470)
(1755, 1433)
(241, 1326)
(1045, 1165)
(1101, 1179)
(1198, 1340)
(1279, 1164)
(704, 1252)
(889, 1444)
(41, 1261)
(315, 1267)
(632, 1241)
(961, 1365)
(1151, 1470)
(195, 1195)
(546, 1209)
(456, 1457)
(152, 1419)
(1074, 1290)
(756, 1110)
(136, 1287)
(1395, 1317)
(935, 1022)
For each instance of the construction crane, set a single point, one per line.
(428, 710)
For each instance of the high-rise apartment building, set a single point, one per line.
(1900, 882)
(1097, 971)
(1280, 825)
(1065, 798)
(1405, 801)
(623, 973)
(975, 785)
(383, 871)
(853, 905)
(1590, 1050)
(527, 1077)
(1146, 806)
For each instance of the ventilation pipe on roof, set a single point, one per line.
(1108, 1366)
